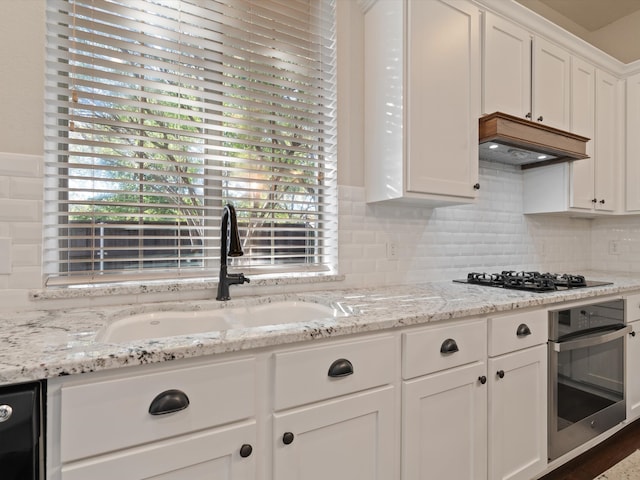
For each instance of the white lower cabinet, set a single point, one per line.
(444, 402)
(517, 374)
(342, 439)
(518, 414)
(632, 312)
(464, 400)
(444, 425)
(336, 411)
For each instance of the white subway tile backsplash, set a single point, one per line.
(446, 243)
(20, 165)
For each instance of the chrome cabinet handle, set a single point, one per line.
(5, 413)
(590, 341)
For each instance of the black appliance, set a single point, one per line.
(530, 281)
(21, 439)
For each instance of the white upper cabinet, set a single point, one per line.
(422, 101)
(583, 122)
(551, 84)
(506, 68)
(523, 75)
(607, 141)
(633, 144)
(591, 186)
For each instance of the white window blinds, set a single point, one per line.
(159, 112)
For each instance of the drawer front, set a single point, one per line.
(434, 348)
(632, 310)
(314, 374)
(93, 416)
(509, 333)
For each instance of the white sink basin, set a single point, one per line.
(173, 323)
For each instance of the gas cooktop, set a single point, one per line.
(530, 281)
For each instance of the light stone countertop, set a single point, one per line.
(43, 344)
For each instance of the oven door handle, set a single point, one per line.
(590, 341)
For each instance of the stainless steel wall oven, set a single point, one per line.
(586, 373)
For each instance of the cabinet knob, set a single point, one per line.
(540, 118)
(5, 412)
(632, 333)
(169, 401)
(602, 201)
(246, 450)
(287, 438)
(476, 186)
(482, 379)
(523, 330)
(449, 346)
(594, 200)
(500, 373)
(340, 368)
(528, 115)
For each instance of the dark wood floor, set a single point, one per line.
(601, 457)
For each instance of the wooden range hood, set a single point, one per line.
(516, 141)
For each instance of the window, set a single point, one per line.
(159, 112)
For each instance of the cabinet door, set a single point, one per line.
(518, 414)
(631, 372)
(212, 454)
(507, 67)
(551, 84)
(583, 97)
(607, 127)
(444, 425)
(344, 439)
(443, 97)
(633, 143)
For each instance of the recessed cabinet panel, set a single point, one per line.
(508, 333)
(342, 439)
(633, 144)
(94, 415)
(507, 67)
(444, 425)
(305, 376)
(583, 118)
(214, 454)
(442, 79)
(435, 348)
(517, 404)
(607, 151)
(551, 84)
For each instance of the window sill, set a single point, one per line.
(165, 286)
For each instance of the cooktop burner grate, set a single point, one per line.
(530, 281)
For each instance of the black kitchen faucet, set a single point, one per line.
(229, 247)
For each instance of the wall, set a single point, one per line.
(431, 243)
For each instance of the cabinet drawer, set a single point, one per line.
(424, 350)
(94, 416)
(303, 376)
(509, 333)
(632, 310)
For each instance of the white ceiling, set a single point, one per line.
(611, 25)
